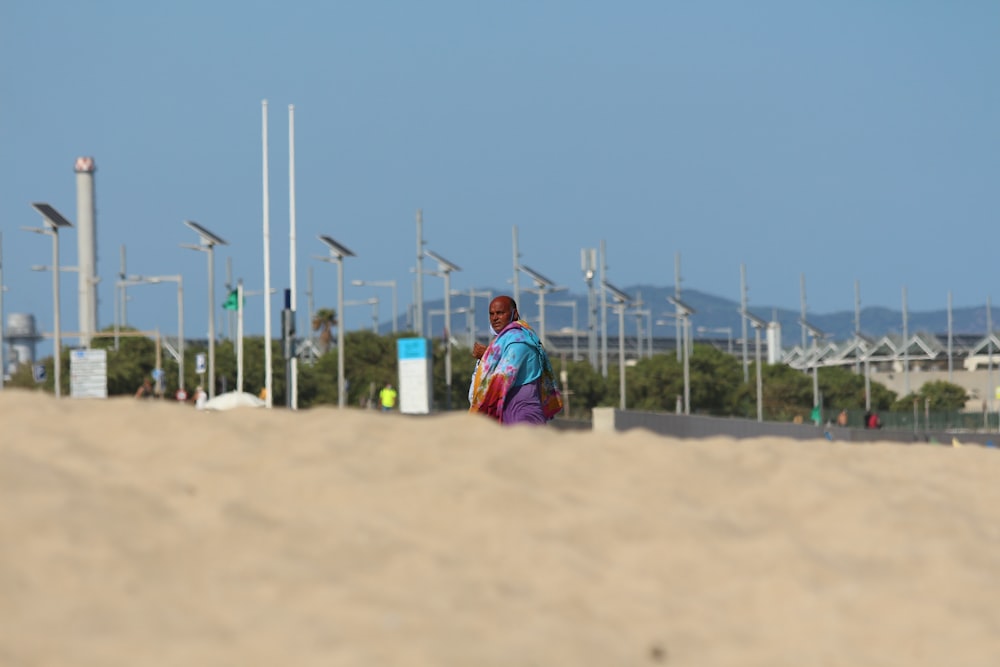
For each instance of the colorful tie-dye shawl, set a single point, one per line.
(504, 366)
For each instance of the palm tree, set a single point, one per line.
(323, 321)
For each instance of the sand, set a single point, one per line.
(148, 533)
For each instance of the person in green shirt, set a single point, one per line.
(387, 397)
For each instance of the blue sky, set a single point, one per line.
(846, 141)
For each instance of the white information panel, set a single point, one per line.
(416, 364)
(88, 374)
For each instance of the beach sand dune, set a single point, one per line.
(148, 533)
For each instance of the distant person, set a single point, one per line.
(874, 421)
(387, 397)
(145, 390)
(513, 381)
(842, 418)
(200, 398)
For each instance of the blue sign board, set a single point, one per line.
(412, 348)
(416, 388)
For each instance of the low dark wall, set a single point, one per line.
(571, 424)
(695, 426)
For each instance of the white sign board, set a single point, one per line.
(88, 374)
(416, 363)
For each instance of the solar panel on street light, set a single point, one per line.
(685, 309)
(52, 216)
(207, 237)
(817, 333)
(335, 248)
(445, 269)
(758, 324)
(443, 264)
(754, 320)
(618, 294)
(539, 279)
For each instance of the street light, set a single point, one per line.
(674, 320)
(241, 295)
(570, 304)
(726, 330)
(337, 255)
(53, 221)
(684, 313)
(867, 346)
(470, 312)
(207, 244)
(373, 302)
(816, 335)
(639, 313)
(444, 270)
(430, 318)
(83, 341)
(588, 264)
(757, 324)
(3, 350)
(622, 301)
(155, 280)
(543, 285)
(382, 283)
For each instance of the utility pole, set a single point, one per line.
(419, 296)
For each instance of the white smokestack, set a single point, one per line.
(86, 234)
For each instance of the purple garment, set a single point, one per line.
(523, 406)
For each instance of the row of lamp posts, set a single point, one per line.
(53, 221)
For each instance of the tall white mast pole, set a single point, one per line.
(293, 382)
(418, 297)
(239, 335)
(267, 263)
(515, 283)
(604, 310)
(3, 352)
(677, 295)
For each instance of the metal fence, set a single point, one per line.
(965, 422)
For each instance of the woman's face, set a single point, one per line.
(501, 312)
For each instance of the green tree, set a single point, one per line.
(130, 364)
(462, 366)
(254, 371)
(658, 383)
(943, 397)
(715, 381)
(24, 376)
(323, 321)
(787, 392)
(585, 387)
(652, 384)
(371, 363)
(318, 382)
(841, 389)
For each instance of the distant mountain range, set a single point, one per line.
(718, 314)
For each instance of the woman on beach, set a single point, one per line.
(513, 381)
